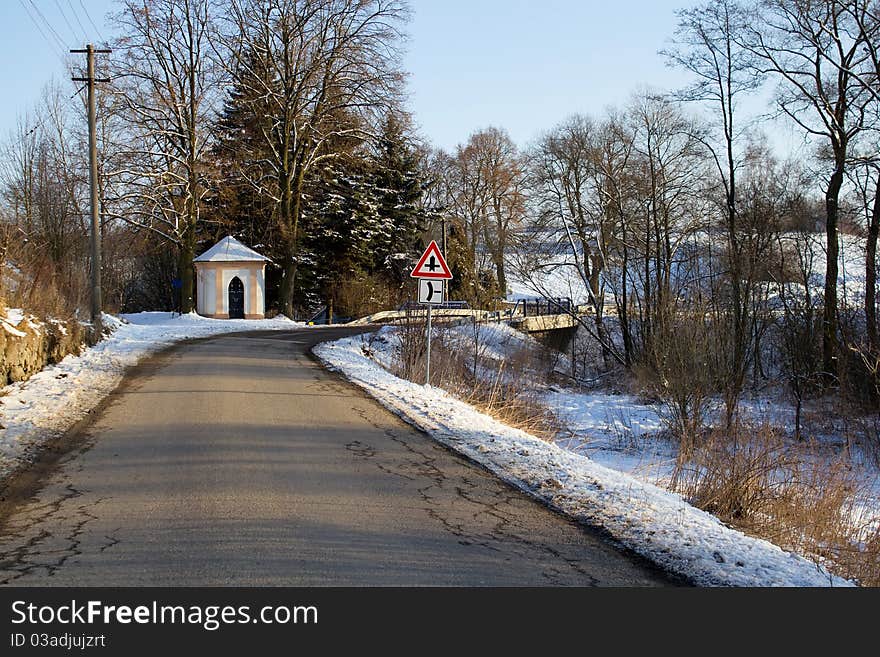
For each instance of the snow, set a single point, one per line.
(10, 319)
(618, 431)
(59, 325)
(54, 399)
(14, 316)
(553, 273)
(10, 328)
(495, 341)
(654, 522)
(230, 249)
(558, 278)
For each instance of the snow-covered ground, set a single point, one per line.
(555, 274)
(54, 399)
(620, 430)
(646, 518)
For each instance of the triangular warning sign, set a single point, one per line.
(432, 264)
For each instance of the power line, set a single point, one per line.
(91, 81)
(76, 17)
(66, 20)
(52, 46)
(49, 25)
(89, 17)
(42, 121)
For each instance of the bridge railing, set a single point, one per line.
(446, 305)
(543, 306)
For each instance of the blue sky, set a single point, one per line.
(526, 65)
(517, 64)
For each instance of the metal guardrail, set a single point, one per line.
(446, 305)
(543, 306)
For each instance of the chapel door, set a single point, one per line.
(236, 299)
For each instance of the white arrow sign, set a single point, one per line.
(430, 291)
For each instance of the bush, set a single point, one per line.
(795, 495)
(504, 389)
(680, 372)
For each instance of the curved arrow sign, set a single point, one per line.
(430, 291)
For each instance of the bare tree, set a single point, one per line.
(164, 86)
(864, 21)
(706, 46)
(813, 48)
(798, 340)
(481, 188)
(570, 176)
(311, 73)
(864, 176)
(617, 186)
(43, 189)
(502, 170)
(670, 158)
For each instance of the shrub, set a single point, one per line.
(796, 495)
(504, 389)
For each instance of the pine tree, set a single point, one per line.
(362, 221)
(242, 206)
(339, 220)
(399, 184)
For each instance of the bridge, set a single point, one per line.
(437, 314)
(553, 322)
(542, 323)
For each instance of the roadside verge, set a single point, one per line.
(652, 522)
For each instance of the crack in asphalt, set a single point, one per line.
(503, 532)
(29, 539)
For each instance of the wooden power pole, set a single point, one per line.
(91, 80)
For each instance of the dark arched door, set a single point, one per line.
(236, 299)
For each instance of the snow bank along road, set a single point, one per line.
(238, 460)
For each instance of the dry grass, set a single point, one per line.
(793, 495)
(45, 289)
(504, 390)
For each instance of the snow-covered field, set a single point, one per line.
(646, 518)
(60, 395)
(555, 275)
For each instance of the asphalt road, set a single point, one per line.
(240, 461)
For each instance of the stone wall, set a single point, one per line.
(28, 347)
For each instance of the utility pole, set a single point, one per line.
(91, 80)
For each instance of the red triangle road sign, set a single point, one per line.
(432, 264)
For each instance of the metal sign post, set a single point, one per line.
(428, 355)
(431, 271)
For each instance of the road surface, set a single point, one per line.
(238, 460)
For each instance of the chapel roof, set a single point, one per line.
(230, 249)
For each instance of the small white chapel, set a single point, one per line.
(231, 281)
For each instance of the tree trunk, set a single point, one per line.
(832, 252)
(736, 365)
(502, 277)
(185, 272)
(871, 272)
(291, 196)
(287, 279)
(623, 308)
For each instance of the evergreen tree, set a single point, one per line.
(399, 184)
